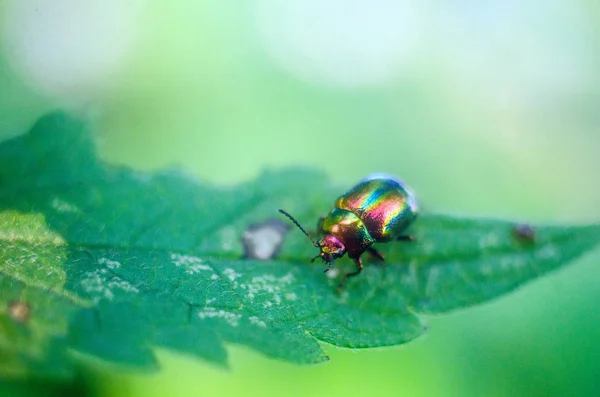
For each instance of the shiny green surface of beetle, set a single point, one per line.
(377, 210)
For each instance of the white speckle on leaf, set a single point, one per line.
(117, 282)
(211, 300)
(211, 312)
(287, 279)
(332, 272)
(512, 263)
(270, 285)
(256, 321)
(191, 264)
(291, 296)
(214, 277)
(549, 251)
(101, 285)
(231, 274)
(109, 263)
(488, 240)
(63, 206)
(228, 237)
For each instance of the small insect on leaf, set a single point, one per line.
(524, 233)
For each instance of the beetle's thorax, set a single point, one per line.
(348, 229)
(331, 248)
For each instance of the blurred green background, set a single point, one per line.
(484, 108)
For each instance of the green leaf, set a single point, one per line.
(110, 262)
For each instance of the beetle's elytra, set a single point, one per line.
(377, 210)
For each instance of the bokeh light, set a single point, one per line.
(67, 48)
(347, 44)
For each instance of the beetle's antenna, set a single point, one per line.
(299, 227)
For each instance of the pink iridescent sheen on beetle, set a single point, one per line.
(377, 210)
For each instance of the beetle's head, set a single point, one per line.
(331, 249)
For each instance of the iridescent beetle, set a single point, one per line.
(377, 210)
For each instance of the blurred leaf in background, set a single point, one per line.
(484, 108)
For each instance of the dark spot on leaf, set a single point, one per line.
(263, 240)
(524, 233)
(19, 311)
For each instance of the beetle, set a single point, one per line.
(377, 210)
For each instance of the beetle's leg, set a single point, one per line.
(375, 253)
(408, 237)
(359, 267)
